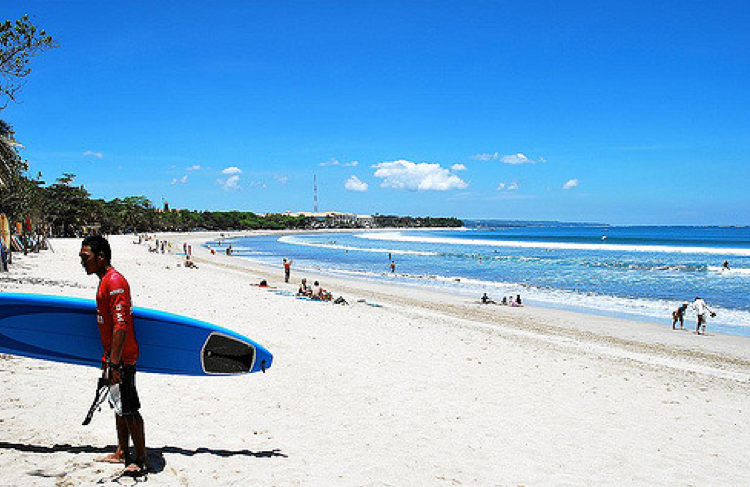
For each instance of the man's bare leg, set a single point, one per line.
(137, 431)
(120, 455)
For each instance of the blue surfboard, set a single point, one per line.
(64, 329)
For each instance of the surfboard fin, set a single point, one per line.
(102, 386)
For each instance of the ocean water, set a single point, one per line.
(632, 272)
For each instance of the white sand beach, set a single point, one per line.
(426, 389)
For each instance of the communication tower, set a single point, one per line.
(315, 192)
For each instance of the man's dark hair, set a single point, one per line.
(98, 245)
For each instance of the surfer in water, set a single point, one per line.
(114, 312)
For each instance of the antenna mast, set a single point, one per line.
(315, 191)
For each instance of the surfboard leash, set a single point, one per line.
(102, 386)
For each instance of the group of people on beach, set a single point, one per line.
(506, 301)
(315, 292)
(702, 312)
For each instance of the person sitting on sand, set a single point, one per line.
(304, 289)
(263, 283)
(317, 291)
(679, 315)
(504, 301)
(189, 263)
(486, 299)
(518, 300)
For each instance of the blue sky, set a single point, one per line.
(619, 112)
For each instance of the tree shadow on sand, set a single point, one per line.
(155, 454)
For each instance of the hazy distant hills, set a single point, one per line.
(526, 223)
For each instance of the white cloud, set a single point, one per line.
(181, 180)
(230, 184)
(355, 184)
(417, 177)
(486, 156)
(570, 184)
(351, 164)
(507, 186)
(281, 179)
(195, 167)
(91, 153)
(458, 167)
(330, 162)
(516, 159)
(232, 170)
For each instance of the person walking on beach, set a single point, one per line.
(114, 316)
(287, 269)
(701, 309)
(679, 315)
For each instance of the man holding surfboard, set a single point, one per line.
(114, 311)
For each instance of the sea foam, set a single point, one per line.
(398, 237)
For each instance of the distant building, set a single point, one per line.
(365, 221)
(334, 218)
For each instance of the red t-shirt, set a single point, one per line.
(114, 311)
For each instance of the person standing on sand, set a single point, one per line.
(287, 269)
(701, 309)
(114, 316)
(679, 315)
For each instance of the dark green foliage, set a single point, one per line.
(408, 221)
(65, 208)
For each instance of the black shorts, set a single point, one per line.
(129, 394)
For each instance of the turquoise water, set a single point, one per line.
(635, 272)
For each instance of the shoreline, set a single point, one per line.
(426, 389)
(654, 309)
(612, 330)
(572, 313)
